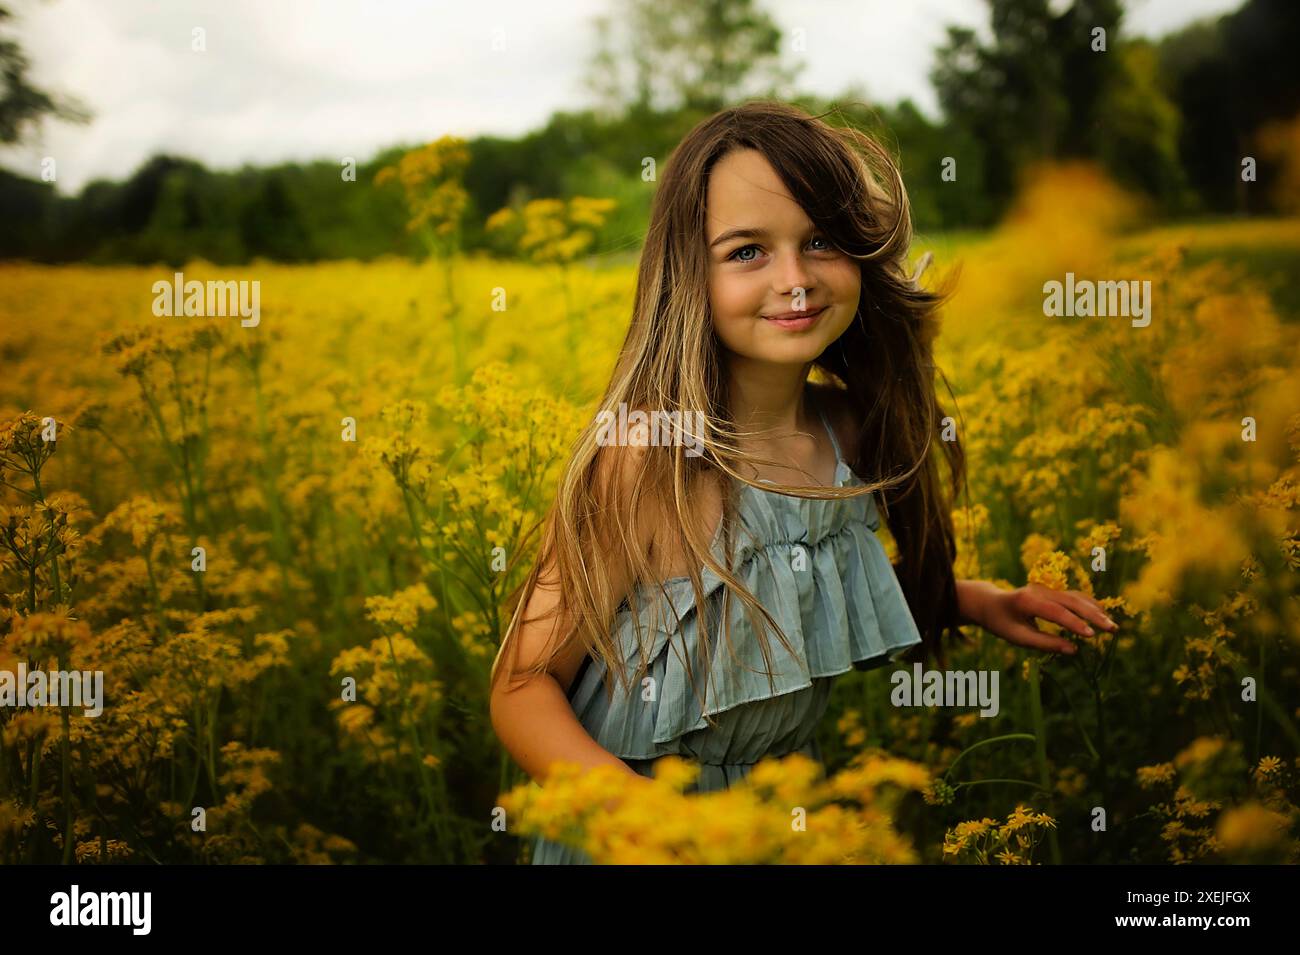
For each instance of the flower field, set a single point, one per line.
(287, 547)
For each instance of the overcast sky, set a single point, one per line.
(308, 79)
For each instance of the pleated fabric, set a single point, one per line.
(819, 569)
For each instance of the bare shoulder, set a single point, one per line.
(657, 525)
(842, 415)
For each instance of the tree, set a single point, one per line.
(1230, 77)
(1010, 94)
(21, 104)
(1061, 84)
(686, 54)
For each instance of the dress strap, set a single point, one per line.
(831, 432)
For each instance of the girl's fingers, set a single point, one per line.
(1035, 639)
(1086, 606)
(1050, 609)
(1089, 608)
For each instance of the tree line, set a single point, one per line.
(1173, 119)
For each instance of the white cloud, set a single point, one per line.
(301, 79)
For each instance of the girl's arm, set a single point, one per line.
(537, 727)
(1007, 614)
(534, 720)
(971, 597)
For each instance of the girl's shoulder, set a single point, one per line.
(655, 520)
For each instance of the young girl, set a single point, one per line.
(773, 303)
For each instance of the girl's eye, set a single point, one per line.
(735, 256)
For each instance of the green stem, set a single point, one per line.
(1259, 711)
(413, 732)
(66, 757)
(982, 782)
(161, 624)
(1073, 712)
(1040, 749)
(453, 320)
(1276, 711)
(984, 742)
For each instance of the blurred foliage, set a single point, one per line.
(22, 104)
(1171, 119)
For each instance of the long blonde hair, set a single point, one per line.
(670, 361)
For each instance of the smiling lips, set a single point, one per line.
(796, 316)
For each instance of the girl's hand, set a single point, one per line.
(613, 804)
(1010, 614)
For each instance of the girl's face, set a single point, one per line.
(779, 264)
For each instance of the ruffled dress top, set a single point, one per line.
(819, 569)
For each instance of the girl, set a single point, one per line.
(773, 305)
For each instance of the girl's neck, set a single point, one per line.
(775, 403)
(768, 398)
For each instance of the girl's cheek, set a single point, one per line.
(845, 278)
(735, 300)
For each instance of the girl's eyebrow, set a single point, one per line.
(738, 234)
(747, 233)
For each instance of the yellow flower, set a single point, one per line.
(1051, 570)
(400, 611)
(1201, 750)
(1251, 828)
(1150, 776)
(1268, 765)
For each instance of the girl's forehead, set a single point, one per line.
(754, 220)
(748, 194)
(745, 171)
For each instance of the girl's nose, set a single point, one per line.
(792, 275)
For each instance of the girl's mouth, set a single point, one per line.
(797, 321)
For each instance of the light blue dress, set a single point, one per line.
(838, 602)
